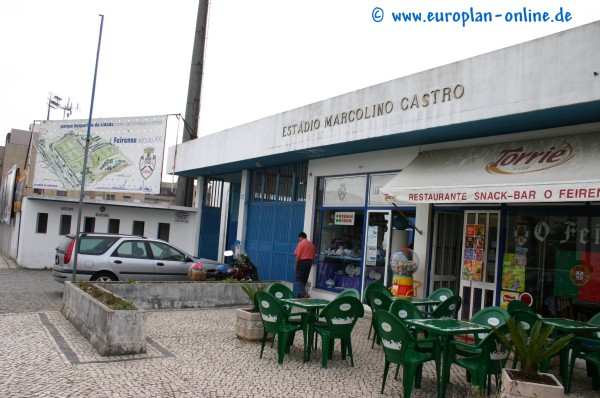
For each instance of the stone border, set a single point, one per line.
(182, 295)
(111, 332)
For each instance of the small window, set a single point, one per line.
(38, 191)
(42, 223)
(65, 224)
(126, 198)
(138, 228)
(113, 225)
(89, 224)
(61, 193)
(163, 231)
(110, 196)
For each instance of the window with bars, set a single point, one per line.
(280, 184)
(213, 192)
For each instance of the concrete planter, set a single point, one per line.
(111, 332)
(182, 295)
(248, 325)
(516, 388)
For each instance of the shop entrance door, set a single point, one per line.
(376, 248)
(447, 250)
(479, 263)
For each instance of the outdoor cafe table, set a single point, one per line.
(417, 301)
(312, 307)
(446, 329)
(565, 326)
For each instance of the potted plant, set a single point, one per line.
(532, 349)
(249, 323)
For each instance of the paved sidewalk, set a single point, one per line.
(194, 353)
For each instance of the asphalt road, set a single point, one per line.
(28, 290)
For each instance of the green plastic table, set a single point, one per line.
(417, 301)
(312, 307)
(566, 326)
(446, 329)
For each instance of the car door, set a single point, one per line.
(170, 263)
(132, 261)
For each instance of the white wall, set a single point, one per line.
(37, 250)
(553, 71)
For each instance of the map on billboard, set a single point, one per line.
(125, 154)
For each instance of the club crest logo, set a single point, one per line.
(147, 163)
(342, 192)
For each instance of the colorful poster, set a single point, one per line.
(473, 252)
(124, 154)
(513, 272)
(506, 297)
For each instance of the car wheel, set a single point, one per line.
(104, 277)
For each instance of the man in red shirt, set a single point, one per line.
(305, 255)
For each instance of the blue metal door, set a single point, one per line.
(210, 222)
(271, 237)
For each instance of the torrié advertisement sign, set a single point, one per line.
(560, 169)
(125, 154)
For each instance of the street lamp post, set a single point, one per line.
(85, 157)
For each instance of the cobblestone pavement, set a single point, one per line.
(194, 353)
(27, 290)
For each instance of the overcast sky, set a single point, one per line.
(262, 56)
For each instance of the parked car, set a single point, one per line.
(117, 257)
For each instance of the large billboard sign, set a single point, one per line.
(125, 154)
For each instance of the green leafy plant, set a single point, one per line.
(251, 289)
(533, 348)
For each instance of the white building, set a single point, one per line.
(322, 168)
(529, 226)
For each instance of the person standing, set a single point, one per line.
(305, 255)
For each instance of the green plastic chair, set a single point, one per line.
(379, 301)
(349, 292)
(379, 287)
(340, 316)
(402, 348)
(448, 309)
(405, 310)
(588, 347)
(489, 357)
(440, 294)
(281, 291)
(275, 322)
(490, 316)
(518, 305)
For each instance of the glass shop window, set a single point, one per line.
(340, 249)
(554, 256)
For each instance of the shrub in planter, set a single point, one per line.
(533, 349)
(249, 323)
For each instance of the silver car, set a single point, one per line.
(116, 257)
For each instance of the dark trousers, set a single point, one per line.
(302, 273)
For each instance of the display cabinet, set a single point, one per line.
(339, 264)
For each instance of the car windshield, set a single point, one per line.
(96, 244)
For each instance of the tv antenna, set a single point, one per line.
(56, 102)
